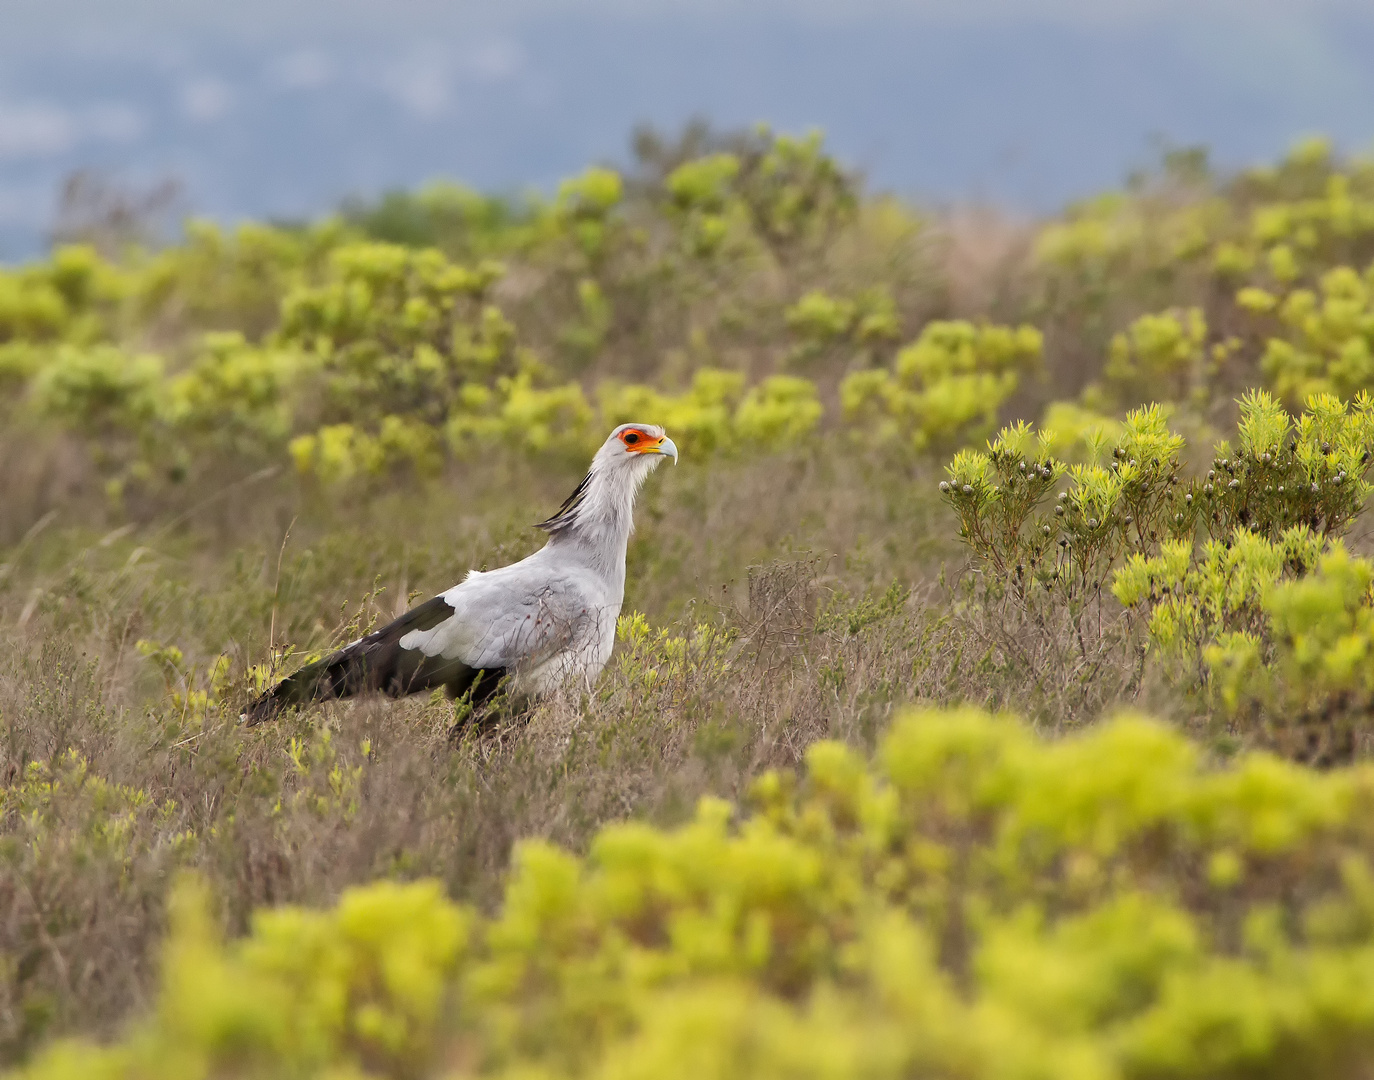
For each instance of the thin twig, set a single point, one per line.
(276, 592)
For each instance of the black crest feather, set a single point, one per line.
(563, 516)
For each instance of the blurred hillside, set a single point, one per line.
(221, 456)
(278, 110)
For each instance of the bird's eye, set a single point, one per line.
(631, 437)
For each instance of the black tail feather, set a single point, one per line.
(378, 663)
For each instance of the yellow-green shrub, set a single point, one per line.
(702, 415)
(19, 362)
(73, 296)
(796, 192)
(975, 903)
(1305, 673)
(337, 453)
(405, 352)
(716, 412)
(1075, 432)
(1308, 473)
(30, 308)
(821, 318)
(779, 411)
(521, 414)
(399, 324)
(1000, 498)
(583, 209)
(946, 387)
(1329, 214)
(863, 325)
(1329, 342)
(1194, 597)
(703, 200)
(100, 390)
(1160, 357)
(232, 280)
(1266, 226)
(237, 397)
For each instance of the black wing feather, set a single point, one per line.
(378, 663)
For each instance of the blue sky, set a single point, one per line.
(282, 109)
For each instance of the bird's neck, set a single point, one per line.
(596, 521)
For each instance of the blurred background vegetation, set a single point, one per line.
(944, 459)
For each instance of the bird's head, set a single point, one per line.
(607, 492)
(637, 447)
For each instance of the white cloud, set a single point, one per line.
(35, 130)
(423, 84)
(304, 69)
(206, 98)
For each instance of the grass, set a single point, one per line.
(751, 549)
(156, 562)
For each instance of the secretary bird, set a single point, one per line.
(539, 623)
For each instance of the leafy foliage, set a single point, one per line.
(1195, 922)
(939, 893)
(1203, 560)
(1329, 342)
(946, 387)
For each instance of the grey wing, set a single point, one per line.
(514, 621)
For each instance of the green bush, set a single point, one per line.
(945, 388)
(1329, 342)
(1301, 672)
(1161, 358)
(703, 199)
(971, 902)
(1285, 473)
(463, 223)
(234, 281)
(237, 398)
(100, 390)
(976, 903)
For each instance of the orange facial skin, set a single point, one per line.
(637, 441)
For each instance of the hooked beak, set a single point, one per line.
(667, 446)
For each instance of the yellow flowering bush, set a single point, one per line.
(975, 902)
(1303, 674)
(235, 396)
(1328, 342)
(795, 192)
(946, 387)
(75, 296)
(1220, 568)
(219, 279)
(703, 201)
(1074, 432)
(1160, 357)
(716, 412)
(703, 414)
(100, 389)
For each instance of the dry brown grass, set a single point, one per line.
(819, 575)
